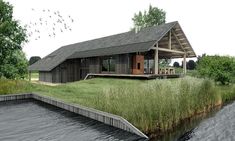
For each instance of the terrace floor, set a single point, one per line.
(132, 76)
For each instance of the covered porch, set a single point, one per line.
(173, 45)
(145, 64)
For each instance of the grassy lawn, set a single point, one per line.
(192, 73)
(154, 105)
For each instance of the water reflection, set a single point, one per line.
(185, 131)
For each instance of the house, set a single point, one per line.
(132, 53)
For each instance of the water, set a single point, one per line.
(217, 126)
(220, 127)
(29, 120)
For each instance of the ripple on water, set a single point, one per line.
(220, 127)
(37, 121)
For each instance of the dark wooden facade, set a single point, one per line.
(136, 53)
(77, 69)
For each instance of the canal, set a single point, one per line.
(219, 125)
(31, 120)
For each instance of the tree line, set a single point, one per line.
(191, 65)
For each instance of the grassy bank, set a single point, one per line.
(154, 105)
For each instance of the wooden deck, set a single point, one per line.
(132, 76)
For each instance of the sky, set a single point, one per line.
(208, 24)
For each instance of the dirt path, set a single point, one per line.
(45, 83)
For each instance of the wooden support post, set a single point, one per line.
(184, 65)
(156, 60)
(29, 75)
(169, 40)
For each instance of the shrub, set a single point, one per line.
(219, 68)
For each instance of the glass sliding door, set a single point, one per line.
(148, 66)
(108, 64)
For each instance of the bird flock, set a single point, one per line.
(49, 22)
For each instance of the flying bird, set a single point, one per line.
(52, 23)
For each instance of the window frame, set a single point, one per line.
(110, 59)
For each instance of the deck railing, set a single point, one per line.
(167, 70)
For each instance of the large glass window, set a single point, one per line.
(105, 64)
(148, 66)
(108, 64)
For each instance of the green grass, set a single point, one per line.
(192, 73)
(154, 105)
(35, 75)
(227, 92)
(14, 86)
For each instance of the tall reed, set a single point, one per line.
(158, 104)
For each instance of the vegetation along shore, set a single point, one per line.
(153, 106)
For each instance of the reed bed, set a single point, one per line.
(159, 104)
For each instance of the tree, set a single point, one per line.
(191, 65)
(219, 68)
(164, 62)
(34, 59)
(12, 37)
(176, 65)
(15, 66)
(154, 16)
(199, 57)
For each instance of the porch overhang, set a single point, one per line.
(172, 45)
